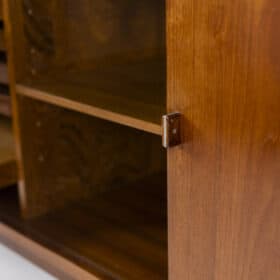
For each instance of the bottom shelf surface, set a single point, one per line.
(121, 234)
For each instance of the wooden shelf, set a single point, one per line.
(8, 172)
(128, 94)
(121, 234)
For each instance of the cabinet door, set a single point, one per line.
(224, 180)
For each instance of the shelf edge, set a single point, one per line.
(89, 110)
(42, 256)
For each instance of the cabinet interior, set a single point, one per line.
(90, 92)
(95, 192)
(105, 54)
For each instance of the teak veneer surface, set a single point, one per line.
(224, 180)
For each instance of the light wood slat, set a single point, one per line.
(90, 109)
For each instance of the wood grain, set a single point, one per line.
(148, 115)
(129, 93)
(65, 53)
(120, 234)
(68, 155)
(224, 196)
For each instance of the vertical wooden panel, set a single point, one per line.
(224, 192)
(14, 43)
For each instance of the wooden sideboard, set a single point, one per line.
(98, 196)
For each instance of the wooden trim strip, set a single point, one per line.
(89, 110)
(55, 264)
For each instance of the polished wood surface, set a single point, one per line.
(224, 198)
(8, 173)
(120, 234)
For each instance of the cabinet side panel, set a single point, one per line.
(224, 192)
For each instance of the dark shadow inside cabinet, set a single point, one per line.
(95, 192)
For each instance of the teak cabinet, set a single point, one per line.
(98, 195)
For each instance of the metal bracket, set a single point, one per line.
(171, 125)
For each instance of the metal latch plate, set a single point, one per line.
(171, 124)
